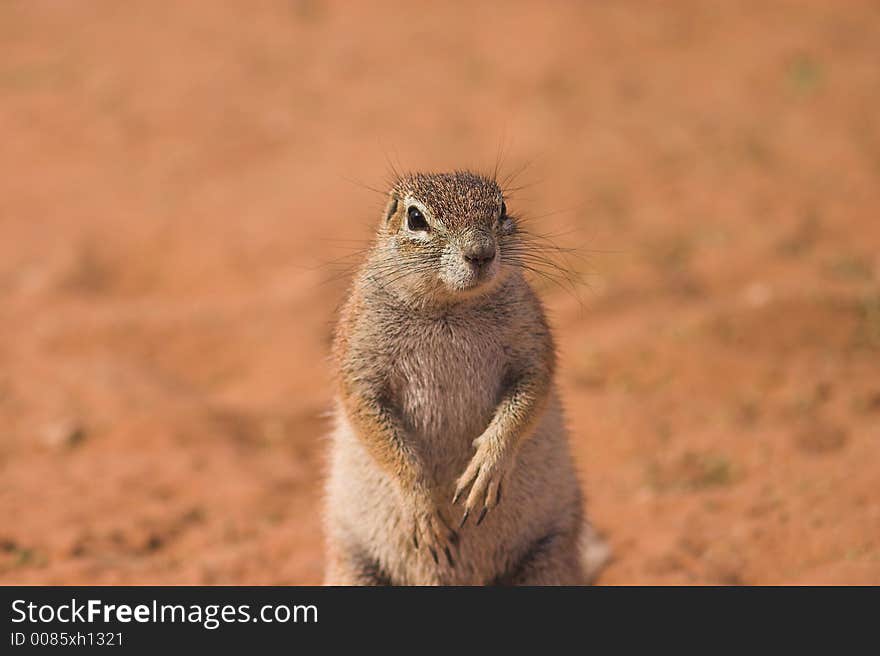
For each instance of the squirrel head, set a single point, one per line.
(443, 235)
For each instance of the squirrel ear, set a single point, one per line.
(391, 208)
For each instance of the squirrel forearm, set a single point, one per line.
(495, 455)
(518, 409)
(381, 433)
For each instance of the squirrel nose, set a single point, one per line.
(480, 255)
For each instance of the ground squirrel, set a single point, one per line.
(449, 462)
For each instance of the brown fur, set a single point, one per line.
(450, 462)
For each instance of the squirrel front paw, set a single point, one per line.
(485, 475)
(431, 531)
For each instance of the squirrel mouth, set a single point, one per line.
(473, 277)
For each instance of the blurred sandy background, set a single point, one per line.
(176, 179)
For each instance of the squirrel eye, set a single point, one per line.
(415, 220)
(502, 215)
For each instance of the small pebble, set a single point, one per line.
(62, 433)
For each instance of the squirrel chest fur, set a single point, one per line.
(445, 377)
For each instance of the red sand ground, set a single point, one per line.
(174, 178)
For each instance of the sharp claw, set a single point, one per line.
(449, 557)
(498, 496)
(456, 496)
(482, 515)
(434, 555)
(416, 540)
(464, 517)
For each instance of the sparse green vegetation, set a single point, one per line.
(805, 75)
(692, 471)
(868, 331)
(849, 267)
(17, 556)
